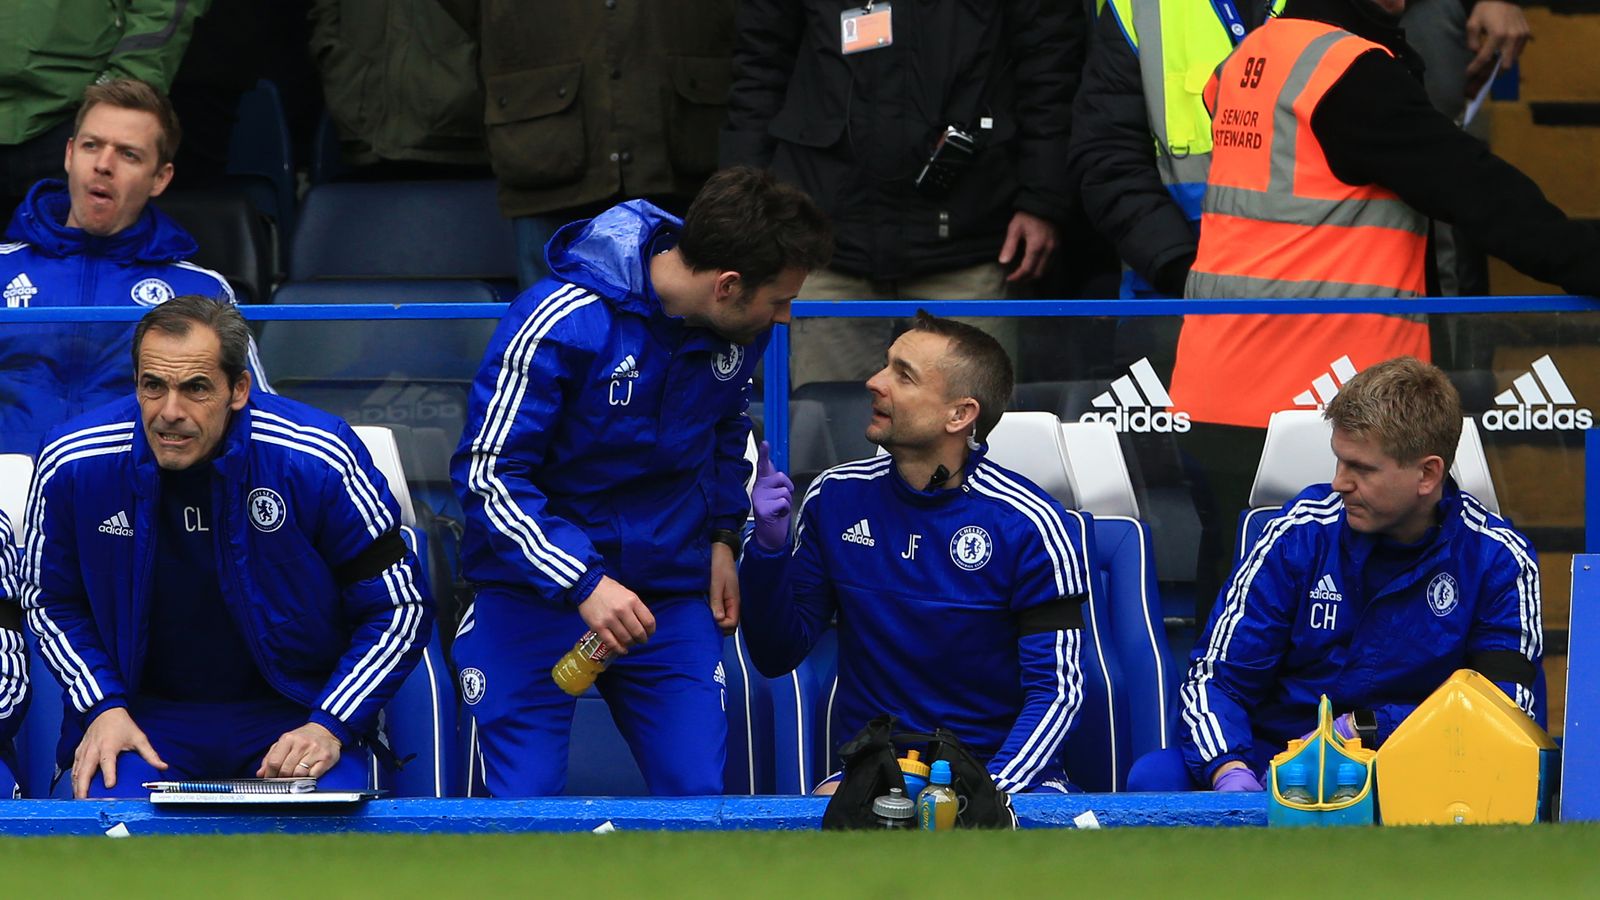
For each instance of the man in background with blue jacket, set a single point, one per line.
(216, 576)
(602, 473)
(1371, 590)
(93, 241)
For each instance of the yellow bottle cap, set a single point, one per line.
(912, 764)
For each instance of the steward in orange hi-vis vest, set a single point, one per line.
(1277, 222)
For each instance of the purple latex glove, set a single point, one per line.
(1240, 779)
(1344, 727)
(771, 498)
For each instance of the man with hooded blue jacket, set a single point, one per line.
(602, 473)
(93, 240)
(1371, 590)
(216, 577)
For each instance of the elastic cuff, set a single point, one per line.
(731, 522)
(116, 701)
(585, 586)
(340, 730)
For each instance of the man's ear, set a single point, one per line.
(1433, 473)
(726, 286)
(241, 392)
(163, 178)
(963, 416)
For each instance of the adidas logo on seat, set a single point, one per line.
(1137, 402)
(1324, 386)
(1326, 590)
(19, 291)
(117, 525)
(628, 368)
(859, 533)
(1538, 400)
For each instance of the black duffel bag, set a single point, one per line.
(871, 768)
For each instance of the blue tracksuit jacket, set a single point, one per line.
(52, 372)
(309, 556)
(1293, 624)
(928, 587)
(603, 436)
(13, 651)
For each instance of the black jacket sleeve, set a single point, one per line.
(1113, 159)
(767, 37)
(1046, 47)
(1376, 126)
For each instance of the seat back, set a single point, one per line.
(828, 426)
(403, 229)
(380, 443)
(259, 150)
(16, 473)
(1125, 560)
(1096, 753)
(1298, 453)
(234, 239)
(749, 764)
(1030, 444)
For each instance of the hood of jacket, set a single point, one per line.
(1362, 18)
(610, 253)
(41, 220)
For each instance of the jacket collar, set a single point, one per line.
(41, 220)
(922, 496)
(1359, 546)
(230, 461)
(1362, 18)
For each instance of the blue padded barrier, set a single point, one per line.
(88, 818)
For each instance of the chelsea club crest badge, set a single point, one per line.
(1443, 594)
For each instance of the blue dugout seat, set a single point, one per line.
(420, 721)
(41, 724)
(405, 230)
(260, 159)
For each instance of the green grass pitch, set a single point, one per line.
(1548, 861)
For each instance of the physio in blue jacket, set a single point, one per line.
(602, 474)
(1371, 590)
(93, 241)
(13, 661)
(215, 576)
(957, 584)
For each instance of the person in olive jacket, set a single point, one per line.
(588, 103)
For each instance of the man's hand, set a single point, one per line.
(724, 588)
(617, 615)
(1235, 776)
(1495, 26)
(112, 732)
(1038, 240)
(306, 752)
(771, 499)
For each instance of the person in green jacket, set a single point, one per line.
(50, 50)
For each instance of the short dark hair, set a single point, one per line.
(746, 221)
(131, 93)
(1408, 407)
(178, 315)
(975, 365)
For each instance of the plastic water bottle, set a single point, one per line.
(937, 804)
(894, 809)
(1292, 784)
(1351, 779)
(578, 669)
(915, 772)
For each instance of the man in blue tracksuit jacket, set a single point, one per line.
(602, 474)
(958, 584)
(93, 240)
(1371, 590)
(216, 577)
(13, 661)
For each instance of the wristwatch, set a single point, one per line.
(1366, 722)
(729, 537)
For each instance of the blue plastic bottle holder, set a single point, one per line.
(1322, 753)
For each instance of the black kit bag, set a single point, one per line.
(871, 768)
